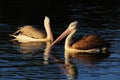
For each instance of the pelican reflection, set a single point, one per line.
(34, 48)
(83, 58)
(28, 47)
(86, 58)
(71, 70)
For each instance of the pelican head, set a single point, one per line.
(48, 29)
(72, 27)
(46, 20)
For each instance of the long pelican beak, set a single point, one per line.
(64, 34)
(71, 27)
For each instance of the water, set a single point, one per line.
(31, 61)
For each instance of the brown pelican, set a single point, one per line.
(29, 33)
(91, 43)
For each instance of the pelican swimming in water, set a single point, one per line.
(90, 44)
(29, 33)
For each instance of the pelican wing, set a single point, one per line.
(89, 42)
(30, 32)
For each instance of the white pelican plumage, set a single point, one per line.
(29, 33)
(90, 44)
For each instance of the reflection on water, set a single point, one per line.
(28, 47)
(34, 47)
(82, 58)
(87, 58)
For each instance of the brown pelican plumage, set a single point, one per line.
(29, 33)
(91, 43)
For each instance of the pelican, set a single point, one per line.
(89, 44)
(29, 33)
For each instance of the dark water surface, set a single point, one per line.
(30, 61)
